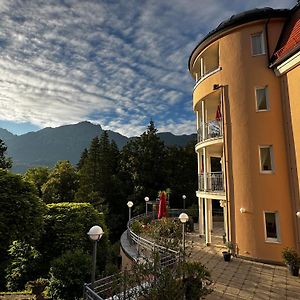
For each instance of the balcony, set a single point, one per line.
(214, 182)
(212, 130)
(207, 63)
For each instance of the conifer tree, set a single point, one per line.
(5, 163)
(143, 161)
(82, 159)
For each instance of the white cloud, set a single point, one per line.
(118, 63)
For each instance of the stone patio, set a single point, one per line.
(243, 279)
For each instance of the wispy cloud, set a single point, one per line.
(118, 63)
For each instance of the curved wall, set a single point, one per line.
(245, 130)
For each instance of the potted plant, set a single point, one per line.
(227, 254)
(292, 259)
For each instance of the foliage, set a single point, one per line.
(102, 185)
(97, 171)
(142, 159)
(184, 280)
(165, 232)
(5, 163)
(291, 257)
(37, 287)
(181, 174)
(22, 265)
(66, 227)
(21, 213)
(136, 227)
(82, 159)
(62, 183)
(37, 177)
(196, 280)
(68, 273)
(229, 245)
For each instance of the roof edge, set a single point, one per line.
(240, 19)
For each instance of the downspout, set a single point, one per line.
(229, 237)
(267, 40)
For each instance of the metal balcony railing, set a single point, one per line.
(212, 129)
(118, 286)
(214, 182)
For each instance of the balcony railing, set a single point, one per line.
(214, 182)
(213, 129)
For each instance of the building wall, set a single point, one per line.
(245, 130)
(293, 86)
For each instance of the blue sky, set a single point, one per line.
(114, 63)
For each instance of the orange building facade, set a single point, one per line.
(247, 104)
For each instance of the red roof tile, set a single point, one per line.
(290, 37)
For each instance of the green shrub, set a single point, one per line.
(68, 273)
(66, 227)
(291, 257)
(22, 265)
(136, 227)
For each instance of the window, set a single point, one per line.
(258, 45)
(266, 159)
(271, 226)
(262, 100)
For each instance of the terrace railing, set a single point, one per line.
(116, 286)
(212, 129)
(214, 182)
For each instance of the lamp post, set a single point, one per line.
(129, 204)
(146, 200)
(183, 217)
(183, 198)
(95, 234)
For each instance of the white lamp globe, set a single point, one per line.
(146, 199)
(95, 233)
(129, 204)
(183, 217)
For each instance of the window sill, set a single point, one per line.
(272, 241)
(260, 54)
(266, 172)
(262, 110)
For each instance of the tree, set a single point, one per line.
(62, 183)
(22, 266)
(181, 173)
(21, 211)
(143, 160)
(68, 273)
(82, 159)
(66, 227)
(95, 176)
(21, 215)
(5, 163)
(37, 177)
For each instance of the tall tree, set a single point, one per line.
(181, 174)
(62, 183)
(5, 163)
(82, 159)
(21, 215)
(37, 177)
(89, 177)
(143, 159)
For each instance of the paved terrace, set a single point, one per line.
(243, 279)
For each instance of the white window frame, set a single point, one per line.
(271, 156)
(277, 222)
(262, 40)
(267, 98)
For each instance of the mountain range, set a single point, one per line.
(46, 146)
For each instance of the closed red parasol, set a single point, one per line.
(218, 113)
(162, 209)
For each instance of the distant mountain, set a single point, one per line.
(46, 146)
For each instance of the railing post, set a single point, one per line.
(125, 284)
